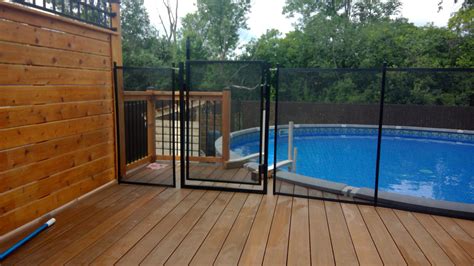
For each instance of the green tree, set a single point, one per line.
(216, 24)
(375, 10)
(141, 43)
(462, 23)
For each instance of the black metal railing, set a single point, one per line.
(95, 12)
(135, 130)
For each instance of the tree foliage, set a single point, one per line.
(364, 34)
(329, 34)
(141, 44)
(216, 25)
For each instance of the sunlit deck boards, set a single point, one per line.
(129, 224)
(144, 174)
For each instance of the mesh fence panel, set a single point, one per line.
(141, 79)
(427, 143)
(335, 115)
(166, 122)
(244, 81)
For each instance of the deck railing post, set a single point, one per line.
(151, 128)
(226, 116)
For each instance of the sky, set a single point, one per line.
(267, 14)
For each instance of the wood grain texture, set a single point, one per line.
(37, 114)
(15, 137)
(26, 15)
(277, 245)
(32, 95)
(56, 112)
(407, 246)
(39, 75)
(94, 161)
(13, 53)
(150, 225)
(21, 156)
(235, 242)
(366, 251)
(26, 34)
(60, 197)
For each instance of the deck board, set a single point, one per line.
(407, 246)
(141, 249)
(119, 248)
(187, 248)
(387, 248)
(86, 256)
(128, 225)
(235, 242)
(299, 252)
(445, 241)
(364, 246)
(321, 246)
(343, 248)
(211, 246)
(62, 239)
(427, 244)
(170, 242)
(254, 250)
(277, 246)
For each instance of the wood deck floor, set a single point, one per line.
(129, 225)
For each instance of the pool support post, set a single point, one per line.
(291, 126)
(379, 137)
(20, 243)
(293, 161)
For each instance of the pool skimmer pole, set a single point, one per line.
(20, 243)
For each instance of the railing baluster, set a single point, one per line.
(136, 130)
(145, 128)
(199, 125)
(207, 126)
(214, 128)
(170, 130)
(127, 132)
(162, 128)
(192, 127)
(97, 13)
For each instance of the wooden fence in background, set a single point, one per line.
(57, 133)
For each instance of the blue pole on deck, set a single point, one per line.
(20, 243)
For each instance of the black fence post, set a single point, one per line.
(117, 123)
(181, 120)
(173, 121)
(187, 87)
(379, 137)
(275, 136)
(267, 125)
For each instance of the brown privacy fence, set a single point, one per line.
(56, 111)
(454, 117)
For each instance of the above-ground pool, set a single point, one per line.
(434, 164)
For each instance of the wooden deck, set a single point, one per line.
(129, 224)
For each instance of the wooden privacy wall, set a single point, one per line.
(56, 111)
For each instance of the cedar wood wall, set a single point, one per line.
(57, 130)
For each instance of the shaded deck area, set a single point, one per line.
(129, 224)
